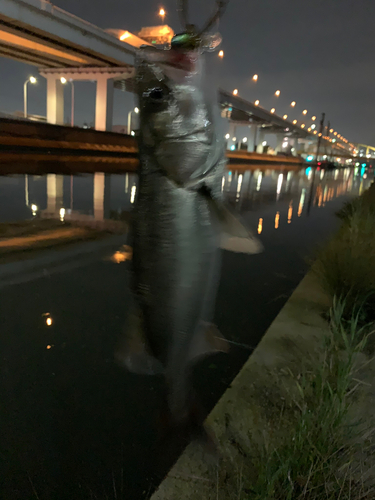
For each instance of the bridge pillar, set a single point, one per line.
(55, 101)
(104, 103)
(279, 143)
(103, 121)
(260, 139)
(252, 138)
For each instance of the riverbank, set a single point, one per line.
(258, 410)
(25, 239)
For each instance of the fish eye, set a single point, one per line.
(157, 94)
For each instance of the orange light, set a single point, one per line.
(235, 92)
(294, 122)
(293, 103)
(256, 103)
(277, 219)
(313, 118)
(260, 226)
(49, 321)
(255, 78)
(304, 112)
(221, 54)
(303, 125)
(277, 93)
(125, 35)
(273, 110)
(285, 117)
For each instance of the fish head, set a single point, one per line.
(176, 120)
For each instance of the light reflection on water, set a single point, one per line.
(102, 197)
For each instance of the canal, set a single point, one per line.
(74, 424)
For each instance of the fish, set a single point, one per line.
(179, 224)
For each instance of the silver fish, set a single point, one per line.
(178, 221)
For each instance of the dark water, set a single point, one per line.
(73, 424)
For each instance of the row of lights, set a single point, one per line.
(293, 105)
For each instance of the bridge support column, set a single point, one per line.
(55, 101)
(232, 133)
(104, 103)
(103, 121)
(252, 138)
(260, 139)
(279, 143)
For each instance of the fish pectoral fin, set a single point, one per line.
(249, 244)
(235, 237)
(132, 350)
(207, 340)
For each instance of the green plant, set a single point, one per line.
(313, 461)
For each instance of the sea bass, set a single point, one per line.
(178, 222)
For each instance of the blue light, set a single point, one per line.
(310, 158)
(363, 164)
(308, 170)
(233, 147)
(230, 109)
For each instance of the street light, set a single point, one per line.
(304, 112)
(273, 110)
(313, 118)
(162, 14)
(255, 78)
(294, 122)
(285, 117)
(221, 54)
(63, 80)
(32, 80)
(256, 102)
(130, 131)
(293, 103)
(235, 92)
(277, 93)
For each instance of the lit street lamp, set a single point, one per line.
(130, 131)
(304, 112)
(255, 78)
(32, 80)
(221, 54)
(293, 103)
(235, 92)
(285, 117)
(162, 14)
(273, 110)
(277, 93)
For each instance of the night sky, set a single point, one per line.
(319, 53)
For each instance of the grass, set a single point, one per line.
(345, 266)
(315, 459)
